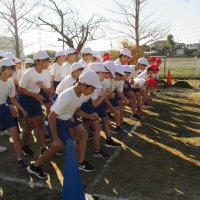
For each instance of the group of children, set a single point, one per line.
(78, 97)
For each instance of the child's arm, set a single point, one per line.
(98, 101)
(19, 107)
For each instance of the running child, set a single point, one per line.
(59, 119)
(6, 120)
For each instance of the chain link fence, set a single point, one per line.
(185, 68)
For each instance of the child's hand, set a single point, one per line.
(39, 97)
(107, 93)
(94, 116)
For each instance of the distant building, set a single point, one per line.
(7, 44)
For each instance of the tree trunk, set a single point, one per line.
(16, 36)
(137, 20)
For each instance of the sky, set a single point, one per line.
(183, 16)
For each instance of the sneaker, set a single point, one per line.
(85, 166)
(27, 151)
(145, 107)
(101, 154)
(37, 171)
(112, 144)
(21, 165)
(121, 131)
(4, 133)
(60, 153)
(135, 116)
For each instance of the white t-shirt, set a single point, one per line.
(143, 75)
(117, 85)
(66, 83)
(134, 72)
(17, 75)
(97, 93)
(106, 84)
(30, 77)
(65, 70)
(117, 62)
(67, 103)
(55, 71)
(7, 89)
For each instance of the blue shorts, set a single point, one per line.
(55, 84)
(30, 105)
(62, 130)
(114, 102)
(128, 89)
(6, 120)
(136, 90)
(101, 110)
(87, 108)
(46, 97)
(54, 97)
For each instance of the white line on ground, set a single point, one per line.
(109, 161)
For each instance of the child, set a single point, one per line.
(71, 56)
(124, 56)
(86, 57)
(152, 60)
(99, 105)
(97, 57)
(59, 119)
(6, 120)
(32, 81)
(70, 80)
(28, 64)
(136, 69)
(55, 70)
(128, 92)
(117, 96)
(17, 75)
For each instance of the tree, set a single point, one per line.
(16, 16)
(136, 25)
(170, 40)
(67, 23)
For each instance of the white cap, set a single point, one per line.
(90, 78)
(76, 66)
(139, 81)
(119, 69)
(97, 67)
(126, 52)
(127, 69)
(10, 55)
(110, 66)
(60, 53)
(29, 60)
(40, 55)
(70, 50)
(97, 55)
(6, 62)
(17, 60)
(143, 61)
(2, 54)
(87, 50)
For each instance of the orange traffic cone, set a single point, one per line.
(169, 81)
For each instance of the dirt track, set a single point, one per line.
(160, 159)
